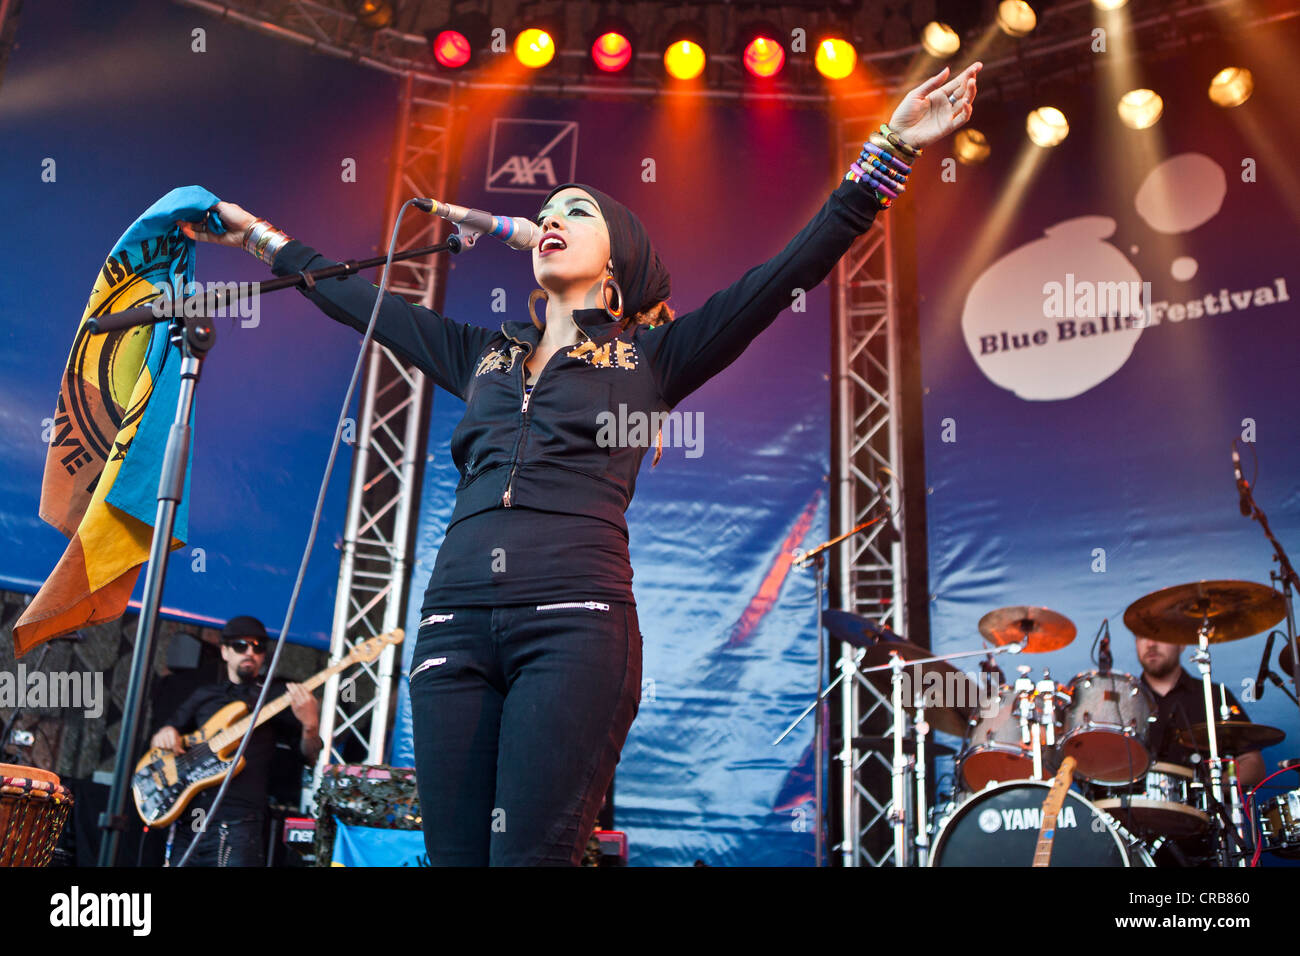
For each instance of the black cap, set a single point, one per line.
(244, 626)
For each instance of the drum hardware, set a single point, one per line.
(1204, 613)
(901, 657)
(883, 743)
(817, 557)
(1284, 574)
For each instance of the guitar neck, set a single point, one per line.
(228, 735)
(1051, 810)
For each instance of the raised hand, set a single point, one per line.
(235, 218)
(937, 107)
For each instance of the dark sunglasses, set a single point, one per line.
(241, 647)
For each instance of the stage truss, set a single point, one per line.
(869, 566)
(374, 571)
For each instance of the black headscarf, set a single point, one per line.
(640, 275)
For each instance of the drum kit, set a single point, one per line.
(1017, 734)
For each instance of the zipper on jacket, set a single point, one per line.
(523, 411)
(506, 497)
(589, 605)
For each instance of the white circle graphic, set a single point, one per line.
(1036, 320)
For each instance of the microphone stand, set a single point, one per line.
(818, 557)
(194, 336)
(1284, 574)
(145, 315)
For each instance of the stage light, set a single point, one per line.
(684, 57)
(450, 48)
(940, 40)
(612, 43)
(611, 51)
(761, 50)
(534, 48)
(373, 14)
(1047, 126)
(1108, 4)
(970, 146)
(454, 43)
(1232, 86)
(1016, 18)
(835, 58)
(1139, 109)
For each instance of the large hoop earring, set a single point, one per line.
(605, 284)
(532, 305)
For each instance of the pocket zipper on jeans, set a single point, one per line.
(589, 605)
(431, 662)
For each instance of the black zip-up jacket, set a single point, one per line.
(546, 450)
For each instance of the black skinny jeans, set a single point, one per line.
(519, 717)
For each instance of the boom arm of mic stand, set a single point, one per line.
(145, 314)
(1290, 579)
(803, 559)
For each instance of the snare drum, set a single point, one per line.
(1169, 801)
(1106, 727)
(33, 809)
(1279, 823)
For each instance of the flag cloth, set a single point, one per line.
(116, 405)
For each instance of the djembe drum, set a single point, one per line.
(33, 809)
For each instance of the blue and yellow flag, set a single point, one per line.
(116, 405)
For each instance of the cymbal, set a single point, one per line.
(1041, 629)
(929, 678)
(1235, 736)
(1235, 609)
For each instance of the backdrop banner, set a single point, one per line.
(82, 158)
(1092, 344)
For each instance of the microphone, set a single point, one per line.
(1105, 660)
(521, 234)
(1263, 666)
(1243, 489)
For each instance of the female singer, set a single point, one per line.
(526, 672)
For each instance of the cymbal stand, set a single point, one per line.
(1029, 729)
(922, 804)
(1202, 659)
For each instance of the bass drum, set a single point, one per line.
(999, 827)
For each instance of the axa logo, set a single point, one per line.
(531, 156)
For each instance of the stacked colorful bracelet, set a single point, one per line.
(264, 240)
(884, 165)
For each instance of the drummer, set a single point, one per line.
(1180, 703)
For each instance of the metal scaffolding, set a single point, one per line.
(870, 566)
(395, 401)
